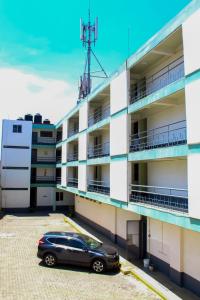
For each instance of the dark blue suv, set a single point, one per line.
(76, 249)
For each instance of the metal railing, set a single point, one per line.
(59, 137)
(164, 197)
(103, 113)
(58, 179)
(99, 150)
(165, 136)
(43, 140)
(72, 156)
(43, 159)
(72, 182)
(98, 186)
(167, 75)
(45, 179)
(72, 131)
(58, 159)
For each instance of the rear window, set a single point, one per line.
(51, 240)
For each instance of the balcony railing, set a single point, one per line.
(59, 137)
(170, 135)
(164, 197)
(73, 131)
(58, 179)
(99, 115)
(58, 159)
(99, 150)
(72, 156)
(43, 140)
(43, 159)
(72, 182)
(43, 179)
(164, 77)
(98, 186)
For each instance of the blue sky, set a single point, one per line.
(41, 57)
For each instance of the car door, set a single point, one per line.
(62, 250)
(79, 254)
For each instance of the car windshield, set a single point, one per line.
(91, 243)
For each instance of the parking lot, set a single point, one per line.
(23, 276)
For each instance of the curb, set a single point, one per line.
(79, 229)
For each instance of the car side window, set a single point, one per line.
(62, 241)
(76, 244)
(51, 240)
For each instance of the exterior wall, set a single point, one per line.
(191, 43)
(45, 172)
(168, 173)
(64, 176)
(45, 196)
(46, 152)
(82, 145)
(192, 92)
(83, 116)
(15, 199)
(119, 180)
(122, 217)
(64, 153)
(65, 130)
(119, 92)
(82, 178)
(118, 135)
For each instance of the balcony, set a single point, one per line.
(99, 150)
(43, 179)
(58, 179)
(163, 197)
(72, 182)
(72, 156)
(171, 73)
(43, 140)
(43, 159)
(58, 159)
(170, 135)
(99, 115)
(98, 186)
(73, 132)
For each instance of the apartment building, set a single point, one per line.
(130, 152)
(28, 168)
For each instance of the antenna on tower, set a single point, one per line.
(89, 36)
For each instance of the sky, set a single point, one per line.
(41, 56)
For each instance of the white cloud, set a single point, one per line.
(22, 93)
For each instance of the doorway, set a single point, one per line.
(33, 197)
(143, 237)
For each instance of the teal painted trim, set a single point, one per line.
(43, 146)
(98, 125)
(59, 165)
(158, 95)
(119, 113)
(59, 145)
(175, 218)
(192, 149)
(193, 76)
(40, 165)
(158, 153)
(82, 162)
(73, 163)
(171, 26)
(98, 160)
(43, 184)
(44, 126)
(72, 138)
(119, 157)
(70, 113)
(67, 189)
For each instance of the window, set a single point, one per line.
(17, 128)
(59, 196)
(51, 240)
(46, 133)
(62, 241)
(76, 244)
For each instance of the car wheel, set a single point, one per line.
(50, 260)
(98, 266)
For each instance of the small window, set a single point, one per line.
(62, 241)
(59, 196)
(76, 244)
(17, 128)
(46, 133)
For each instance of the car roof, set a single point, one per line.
(61, 234)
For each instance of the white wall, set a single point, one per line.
(192, 92)
(119, 135)
(64, 153)
(82, 177)
(15, 178)
(191, 42)
(119, 180)
(65, 129)
(83, 116)
(193, 185)
(119, 92)
(82, 146)
(64, 176)
(45, 196)
(15, 199)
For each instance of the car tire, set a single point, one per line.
(50, 260)
(98, 266)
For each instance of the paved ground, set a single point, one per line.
(22, 276)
